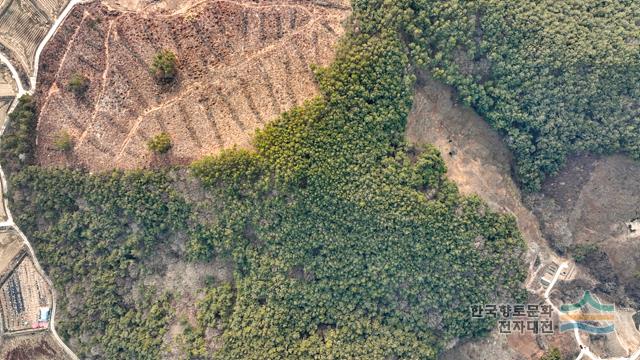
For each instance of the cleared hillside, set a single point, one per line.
(240, 64)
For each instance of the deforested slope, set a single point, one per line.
(239, 65)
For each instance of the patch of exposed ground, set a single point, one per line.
(167, 272)
(186, 281)
(479, 163)
(240, 64)
(511, 347)
(477, 159)
(592, 204)
(37, 346)
(10, 245)
(23, 25)
(172, 6)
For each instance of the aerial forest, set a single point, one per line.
(345, 241)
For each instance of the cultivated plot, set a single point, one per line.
(10, 245)
(33, 346)
(23, 25)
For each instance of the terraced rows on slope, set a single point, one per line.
(241, 63)
(23, 25)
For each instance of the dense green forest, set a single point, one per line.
(345, 242)
(91, 232)
(17, 148)
(555, 77)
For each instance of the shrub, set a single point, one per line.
(553, 354)
(582, 252)
(18, 142)
(160, 144)
(336, 250)
(78, 84)
(163, 66)
(63, 141)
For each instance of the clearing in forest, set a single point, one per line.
(240, 64)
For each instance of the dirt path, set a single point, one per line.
(103, 87)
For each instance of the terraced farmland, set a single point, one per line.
(23, 25)
(240, 64)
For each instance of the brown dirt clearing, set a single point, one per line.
(479, 163)
(240, 64)
(10, 246)
(40, 346)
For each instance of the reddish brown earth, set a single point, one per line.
(241, 63)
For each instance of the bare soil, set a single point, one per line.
(10, 245)
(240, 64)
(477, 160)
(37, 346)
(8, 91)
(525, 346)
(186, 280)
(591, 202)
(147, 5)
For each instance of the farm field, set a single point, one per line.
(240, 64)
(10, 246)
(23, 25)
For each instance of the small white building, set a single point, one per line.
(44, 314)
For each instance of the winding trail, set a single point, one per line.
(9, 222)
